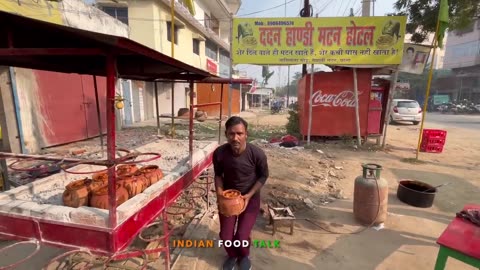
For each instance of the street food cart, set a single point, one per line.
(107, 232)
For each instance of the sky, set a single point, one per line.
(324, 8)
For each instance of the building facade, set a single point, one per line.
(40, 108)
(462, 56)
(201, 40)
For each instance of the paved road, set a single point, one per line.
(456, 121)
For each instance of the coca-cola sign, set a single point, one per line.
(345, 98)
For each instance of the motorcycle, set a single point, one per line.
(276, 109)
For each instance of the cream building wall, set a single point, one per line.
(148, 24)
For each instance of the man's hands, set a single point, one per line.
(252, 192)
(246, 198)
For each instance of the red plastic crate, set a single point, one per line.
(434, 133)
(431, 141)
(432, 148)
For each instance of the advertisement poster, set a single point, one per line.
(415, 57)
(293, 41)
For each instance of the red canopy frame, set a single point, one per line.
(59, 48)
(211, 80)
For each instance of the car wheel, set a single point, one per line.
(391, 120)
(416, 122)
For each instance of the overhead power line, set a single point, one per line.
(268, 9)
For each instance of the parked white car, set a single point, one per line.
(406, 110)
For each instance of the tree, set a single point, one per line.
(293, 86)
(266, 74)
(423, 14)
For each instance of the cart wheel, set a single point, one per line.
(125, 253)
(391, 121)
(13, 265)
(66, 168)
(130, 158)
(70, 264)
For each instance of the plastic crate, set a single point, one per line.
(432, 141)
(434, 133)
(432, 148)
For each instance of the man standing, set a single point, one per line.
(242, 166)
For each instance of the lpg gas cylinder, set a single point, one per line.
(370, 196)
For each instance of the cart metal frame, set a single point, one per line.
(63, 49)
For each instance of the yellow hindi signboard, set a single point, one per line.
(334, 41)
(36, 9)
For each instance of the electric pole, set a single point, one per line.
(305, 12)
(366, 8)
(288, 69)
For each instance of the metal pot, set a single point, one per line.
(416, 193)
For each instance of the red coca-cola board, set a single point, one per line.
(333, 111)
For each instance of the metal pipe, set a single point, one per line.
(206, 104)
(288, 86)
(166, 241)
(231, 68)
(190, 126)
(112, 190)
(310, 106)
(208, 80)
(43, 157)
(393, 86)
(172, 26)
(220, 118)
(172, 128)
(306, 7)
(16, 104)
(98, 112)
(429, 84)
(172, 38)
(51, 51)
(357, 113)
(157, 109)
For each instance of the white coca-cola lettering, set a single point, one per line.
(343, 99)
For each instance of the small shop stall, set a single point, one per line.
(333, 103)
(260, 97)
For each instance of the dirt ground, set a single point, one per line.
(408, 239)
(318, 185)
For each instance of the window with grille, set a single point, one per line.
(175, 33)
(211, 50)
(196, 46)
(212, 23)
(119, 13)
